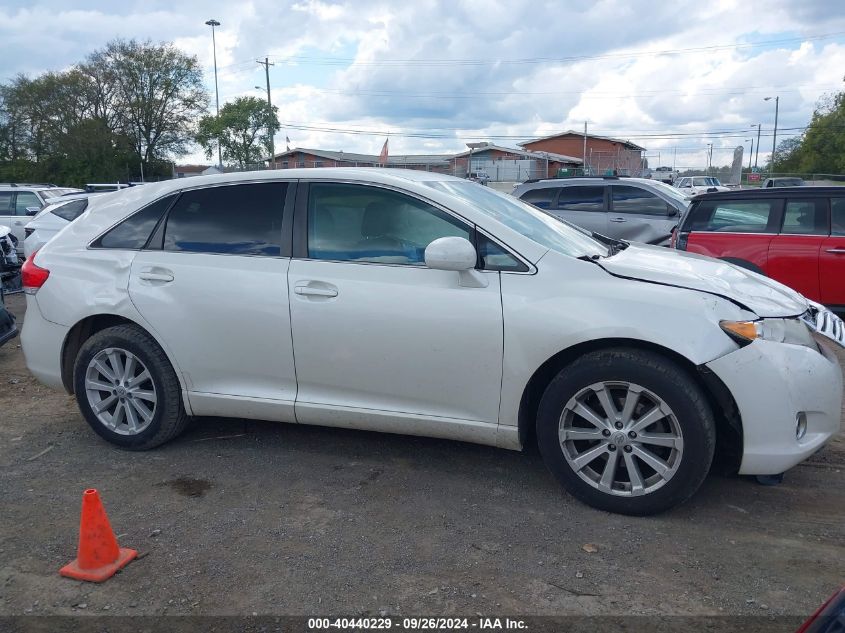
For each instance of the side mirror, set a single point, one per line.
(456, 253)
(450, 253)
(33, 210)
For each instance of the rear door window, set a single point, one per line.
(134, 232)
(543, 197)
(627, 199)
(837, 216)
(581, 199)
(734, 216)
(6, 202)
(805, 217)
(231, 220)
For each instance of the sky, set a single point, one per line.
(436, 74)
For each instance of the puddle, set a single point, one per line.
(188, 486)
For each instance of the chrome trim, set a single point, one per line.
(825, 323)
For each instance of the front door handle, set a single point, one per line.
(150, 275)
(618, 220)
(314, 291)
(838, 249)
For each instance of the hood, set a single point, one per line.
(763, 296)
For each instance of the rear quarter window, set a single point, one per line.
(542, 198)
(733, 216)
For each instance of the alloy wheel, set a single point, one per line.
(120, 391)
(621, 438)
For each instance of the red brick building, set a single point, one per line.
(604, 155)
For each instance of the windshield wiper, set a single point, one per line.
(613, 245)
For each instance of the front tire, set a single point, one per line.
(626, 431)
(127, 389)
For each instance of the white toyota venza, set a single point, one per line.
(410, 302)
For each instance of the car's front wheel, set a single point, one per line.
(626, 430)
(127, 389)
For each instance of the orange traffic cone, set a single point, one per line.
(99, 557)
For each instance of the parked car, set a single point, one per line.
(480, 177)
(17, 201)
(829, 617)
(694, 185)
(412, 302)
(635, 209)
(664, 174)
(53, 218)
(782, 182)
(10, 264)
(794, 235)
(8, 329)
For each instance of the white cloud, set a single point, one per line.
(621, 90)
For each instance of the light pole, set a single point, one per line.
(775, 135)
(750, 152)
(709, 157)
(212, 23)
(758, 145)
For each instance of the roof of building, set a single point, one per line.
(191, 169)
(563, 158)
(624, 142)
(351, 157)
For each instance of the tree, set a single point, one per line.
(159, 95)
(244, 128)
(823, 145)
(788, 155)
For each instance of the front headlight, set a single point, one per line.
(791, 331)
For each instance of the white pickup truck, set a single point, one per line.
(693, 185)
(664, 174)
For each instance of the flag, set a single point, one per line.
(382, 158)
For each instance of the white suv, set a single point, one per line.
(409, 302)
(19, 202)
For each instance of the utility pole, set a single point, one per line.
(212, 23)
(709, 157)
(584, 159)
(758, 145)
(266, 63)
(775, 135)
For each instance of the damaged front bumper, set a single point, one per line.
(789, 399)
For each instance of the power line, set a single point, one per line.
(344, 61)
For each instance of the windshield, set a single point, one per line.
(672, 192)
(524, 218)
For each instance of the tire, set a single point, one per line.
(687, 434)
(153, 411)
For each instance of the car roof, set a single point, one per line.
(585, 180)
(772, 192)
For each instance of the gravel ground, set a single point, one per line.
(240, 517)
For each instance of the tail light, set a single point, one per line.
(681, 241)
(32, 275)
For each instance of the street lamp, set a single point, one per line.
(758, 144)
(775, 135)
(212, 23)
(750, 152)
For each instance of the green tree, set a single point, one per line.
(159, 95)
(244, 130)
(823, 145)
(788, 155)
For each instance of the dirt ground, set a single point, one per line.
(241, 517)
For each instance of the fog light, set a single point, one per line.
(801, 426)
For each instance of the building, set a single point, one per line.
(302, 157)
(499, 163)
(186, 171)
(506, 164)
(603, 155)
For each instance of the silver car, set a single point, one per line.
(632, 209)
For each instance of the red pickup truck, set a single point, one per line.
(795, 235)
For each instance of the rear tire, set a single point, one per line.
(662, 442)
(127, 389)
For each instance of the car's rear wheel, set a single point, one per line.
(127, 389)
(627, 431)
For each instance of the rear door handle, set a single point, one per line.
(314, 291)
(838, 249)
(618, 220)
(149, 275)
